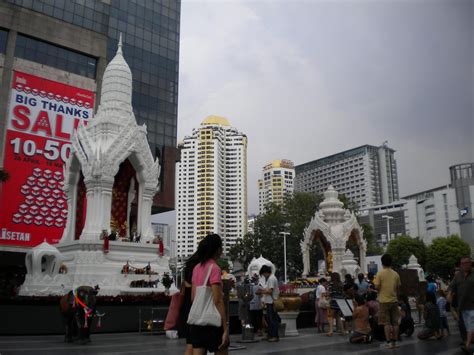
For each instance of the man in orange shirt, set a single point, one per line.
(387, 282)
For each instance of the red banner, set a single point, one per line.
(42, 116)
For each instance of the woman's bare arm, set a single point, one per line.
(218, 298)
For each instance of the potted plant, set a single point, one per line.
(167, 281)
(291, 308)
(291, 299)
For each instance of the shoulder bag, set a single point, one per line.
(323, 302)
(203, 310)
(172, 318)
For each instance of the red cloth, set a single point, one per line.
(162, 247)
(106, 244)
(172, 318)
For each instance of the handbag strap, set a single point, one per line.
(208, 274)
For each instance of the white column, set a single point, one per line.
(99, 204)
(145, 203)
(88, 230)
(106, 203)
(306, 261)
(140, 207)
(337, 256)
(71, 195)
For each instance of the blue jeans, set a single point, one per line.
(272, 321)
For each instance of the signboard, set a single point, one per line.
(42, 116)
(345, 306)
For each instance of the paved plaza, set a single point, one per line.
(307, 343)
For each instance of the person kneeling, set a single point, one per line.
(360, 316)
(432, 318)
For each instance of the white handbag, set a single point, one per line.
(203, 310)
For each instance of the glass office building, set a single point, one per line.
(150, 30)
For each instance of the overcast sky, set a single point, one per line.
(306, 79)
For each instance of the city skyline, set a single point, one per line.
(310, 79)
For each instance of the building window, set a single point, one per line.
(54, 56)
(3, 40)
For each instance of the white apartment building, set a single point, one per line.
(367, 175)
(211, 180)
(432, 213)
(277, 181)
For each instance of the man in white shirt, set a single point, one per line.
(256, 309)
(269, 293)
(321, 313)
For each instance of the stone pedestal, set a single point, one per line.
(289, 318)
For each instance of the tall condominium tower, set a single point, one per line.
(211, 185)
(277, 181)
(367, 175)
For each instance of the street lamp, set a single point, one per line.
(284, 248)
(388, 218)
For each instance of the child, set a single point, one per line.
(441, 302)
(360, 316)
(432, 319)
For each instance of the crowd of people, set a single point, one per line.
(382, 312)
(376, 309)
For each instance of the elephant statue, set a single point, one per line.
(78, 309)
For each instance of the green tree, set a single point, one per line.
(297, 211)
(402, 247)
(443, 253)
(372, 247)
(348, 204)
(245, 249)
(223, 264)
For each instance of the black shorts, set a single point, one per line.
(206, 337)
(188, 334)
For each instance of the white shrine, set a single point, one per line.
(110, 170)
(256, 264)
(413, 265)
(332, 226)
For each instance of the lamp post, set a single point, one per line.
(388, 218)
(284, 251)
(284, 248)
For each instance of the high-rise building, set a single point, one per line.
(367, 175)
(387, 221)
(276, 183)
(71, 41)
(432, 213)
(462, 180)
(212, 185)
